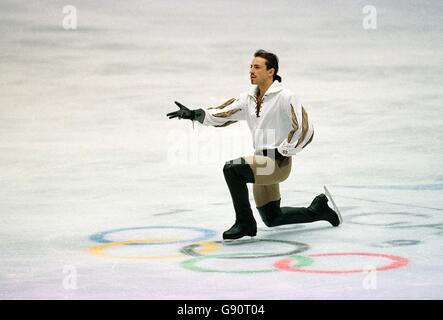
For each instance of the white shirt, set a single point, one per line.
(282, 122)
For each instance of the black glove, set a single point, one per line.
(183, 113)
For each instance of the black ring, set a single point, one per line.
(351, 219)
(300, 247)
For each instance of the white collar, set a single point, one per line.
(276, 86)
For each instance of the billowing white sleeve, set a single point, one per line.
(228, 113)
(302, 129)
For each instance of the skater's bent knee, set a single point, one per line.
(269, 223)
(228, 168)
(232, 165)
(270, 213)
(239, 168)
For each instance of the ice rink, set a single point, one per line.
(103, 197)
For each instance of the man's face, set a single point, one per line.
(258, 72)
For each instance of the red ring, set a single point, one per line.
(397, 262)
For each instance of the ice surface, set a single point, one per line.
(86, 148)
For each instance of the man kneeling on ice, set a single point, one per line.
(280, 129)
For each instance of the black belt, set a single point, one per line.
(272, 153)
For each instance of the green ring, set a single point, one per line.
(191, 264)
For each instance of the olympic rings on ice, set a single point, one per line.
(203, 250)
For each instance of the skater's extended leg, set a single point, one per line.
(274, 215)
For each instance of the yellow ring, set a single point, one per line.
(206, 246)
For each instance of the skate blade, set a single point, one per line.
(242, 240)
(336, 209)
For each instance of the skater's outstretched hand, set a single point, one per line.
(183, 113)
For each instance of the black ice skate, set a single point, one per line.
(321, 207)
(238, 231)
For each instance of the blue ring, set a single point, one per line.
(101, 236)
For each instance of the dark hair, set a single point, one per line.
(271, 62)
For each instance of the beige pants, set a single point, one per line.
(268, 174)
